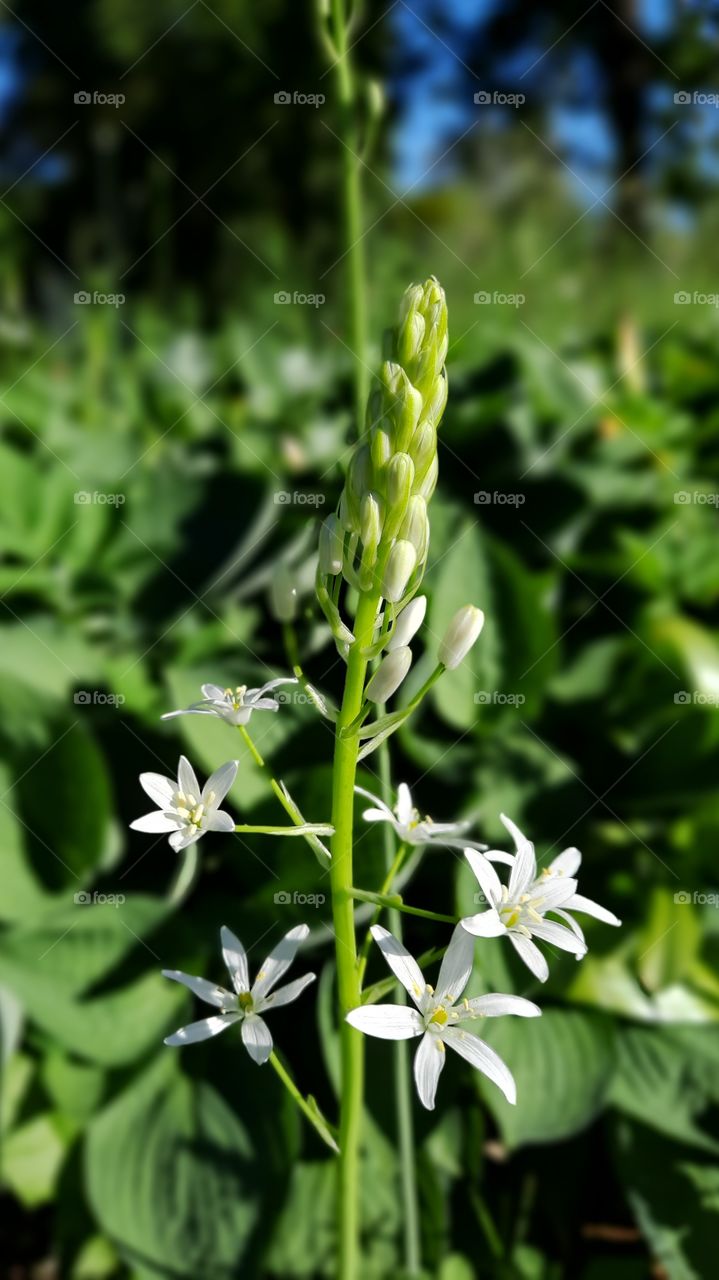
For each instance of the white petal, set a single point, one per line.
(404, 803)
(278, 961)
(187, 781)
(377, 803)
(523, 873)
(428, 1063)
(378, 815)
(456, 967)
(479, 1055)
(499, 855)
(386, 1021)
(265, 704)
(486, 924)
(180, 839)
(553, 893)
(158, 788)
(579, 903)
(496, 1006)
(156, 821)
(197, 1031)
(235, 958)
(286, 994)
(558, 935)
(402, 964)
(188, 711)
(275, 684)
(257, 1038)
(207, 991)
(566, 863)
(518, 836)
(220, 821)
(220, 782)
(530, 955)
(489, 881)
(213, 692)
(572, 924)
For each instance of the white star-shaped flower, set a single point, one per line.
(233, 705)
(519, 908)
(437, 1017)
(183, 809)
(244, 1004)
(409, 827)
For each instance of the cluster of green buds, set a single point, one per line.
(378, 540)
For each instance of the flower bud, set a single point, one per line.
(380, 449)
(371, 528)
(358, 482)
(283, 595)
(460, 635)
(435, 403)
(422, 449)
(389, 675)
(415, 526)
(408, 623)
(344, 515)
(331, 545)
(403, 404)
(398, 489)
(409, 337)
(401, 564)
(427, 487)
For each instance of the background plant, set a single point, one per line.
(600, 596)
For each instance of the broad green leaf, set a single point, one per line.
(669, 942)
(169, 1176)
(32, 1158)
(668, 1078)
(562, 1064)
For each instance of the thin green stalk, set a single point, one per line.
(384, 889)
(394, 902)
(307, 1106)
(285, 800)
(402, 1083)
(341, 877)
(318, 828)
(351, 205)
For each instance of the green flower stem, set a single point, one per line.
(307, 1106)
(351, 204)
(185, 875)
(318, 828)
(402, 1081)
(394, 902)
(384, 889)
(287, 803)
(348, 984)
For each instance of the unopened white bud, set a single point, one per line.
(283, 595)
(408, 623)
(401, 564)
(389, 675)
(331, 546)
(460, 635)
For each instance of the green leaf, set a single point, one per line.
(667, 1078)
(669, 943)
(169, 1175)
(562, 1064)
(32, 1159)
